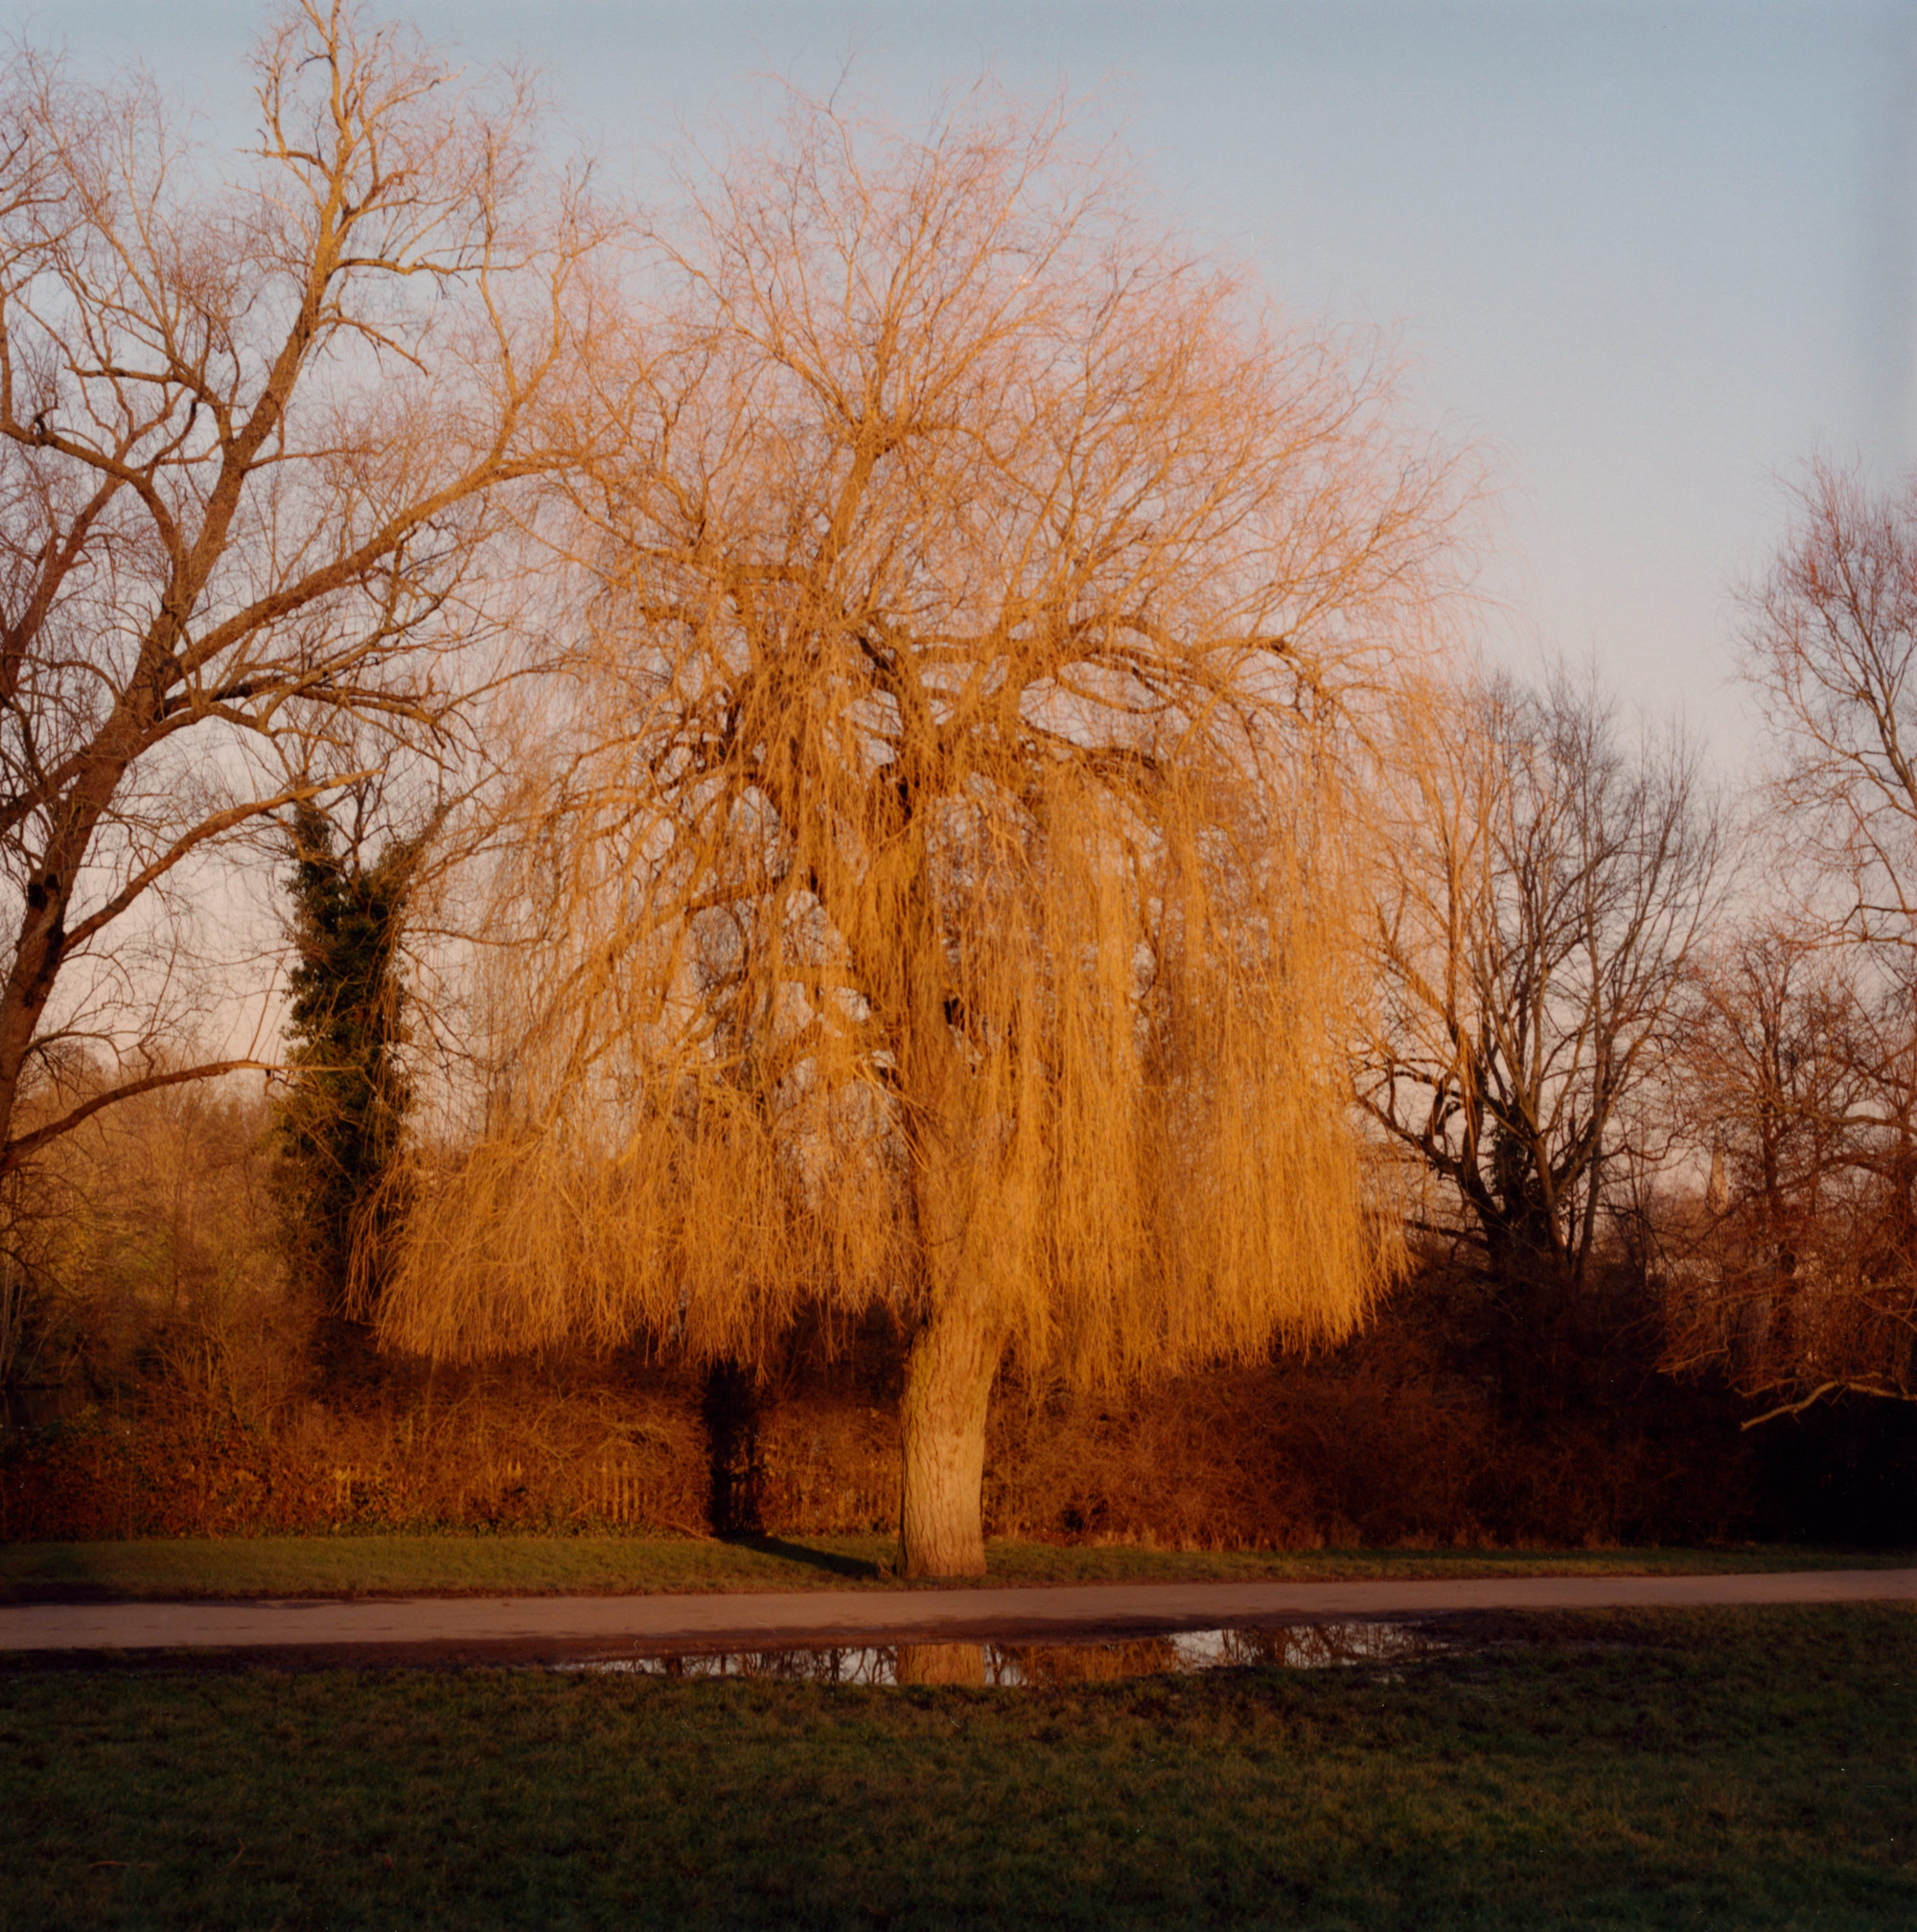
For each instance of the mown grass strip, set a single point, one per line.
(287, 1566)
(1728, 1767)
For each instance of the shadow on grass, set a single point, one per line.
(832, 1561)
(32, 1593)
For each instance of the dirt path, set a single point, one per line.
(360, 1629)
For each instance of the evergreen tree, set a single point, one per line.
(343, 1111)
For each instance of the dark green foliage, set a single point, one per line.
(343, 1111)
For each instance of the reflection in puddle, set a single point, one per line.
(1295, 1647)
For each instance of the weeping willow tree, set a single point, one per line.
(931, 891)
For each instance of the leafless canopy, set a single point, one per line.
(258, 431)
(1545, 887)
(1830, 648)
(1802, 1279)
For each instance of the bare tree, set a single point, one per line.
(1829, 650)
(1771, 1067)
(262, 433)
(1806, 1285)
(1801, 1279)
(933, 902)
(1543, 889)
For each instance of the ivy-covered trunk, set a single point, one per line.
(343, 1111)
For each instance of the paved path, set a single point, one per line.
(474, 1625)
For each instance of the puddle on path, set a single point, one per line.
(1297, 1647)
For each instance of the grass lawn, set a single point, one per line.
(299, 1566)
(1696, 1768)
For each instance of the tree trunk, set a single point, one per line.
(948, 1383)
(730, 1410)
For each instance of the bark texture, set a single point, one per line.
(949, 1375)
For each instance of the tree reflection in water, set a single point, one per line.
(939, 1663)
(1006, 1665)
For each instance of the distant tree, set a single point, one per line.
(1772, 1068)
(1544, 886)
(933, 903)
(1804, 1060)
(1830, 654)
(161, 1257)
(342, 1113)
(1801, 1280)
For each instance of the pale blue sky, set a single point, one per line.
(1649, 256)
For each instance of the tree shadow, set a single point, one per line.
(829, 1560)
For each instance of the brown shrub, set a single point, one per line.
(510, 1449)
(1389, 1442)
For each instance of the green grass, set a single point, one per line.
(288, 1566)
(1747, 1768)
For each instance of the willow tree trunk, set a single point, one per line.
(948, 1383)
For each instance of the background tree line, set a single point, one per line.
(886, 759)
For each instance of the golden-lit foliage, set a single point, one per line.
(148, 1242)
(931, 892)
(1140, 1162)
